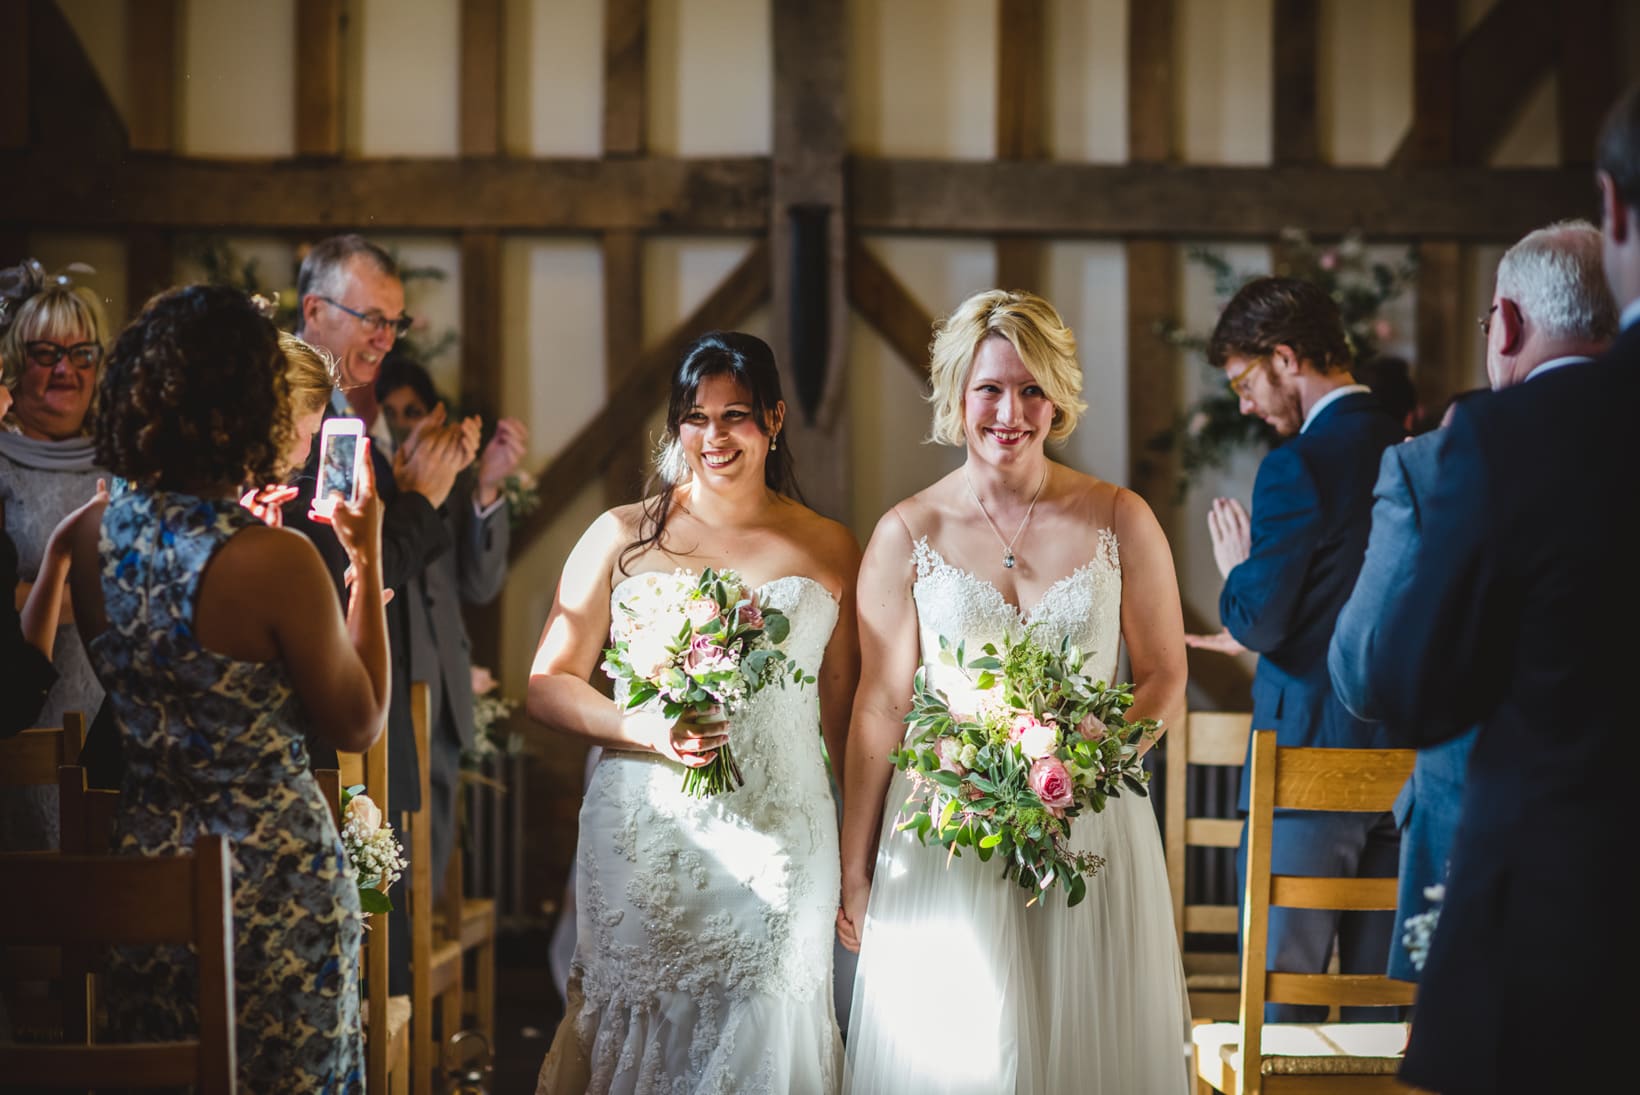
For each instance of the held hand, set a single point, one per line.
(693, 740)
(267, 503)
(1231, 531)
(851, 914)
(1221, 643)
(500, 458)
(358, 525)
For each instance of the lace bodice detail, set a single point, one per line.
(1085, 604)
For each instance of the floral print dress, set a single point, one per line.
(215, 745)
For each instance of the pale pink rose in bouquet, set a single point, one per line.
(750, 614)
(1034, 738)
(483, 680)
(1092, 727)
(949, 750)
(701, 612)
(704, 656)
(1052, 784)
(363, 814)
(648, 652)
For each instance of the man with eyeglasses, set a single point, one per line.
(351, 305)
(1551, 309)
(1288, 569)
(1517, 617)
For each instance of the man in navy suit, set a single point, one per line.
(1551, 308)
(1288, 570)
(1519, 616)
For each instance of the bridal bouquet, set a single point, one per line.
(705, 650)
(1007, 780)
(374, 853)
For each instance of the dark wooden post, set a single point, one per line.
(1022, 40)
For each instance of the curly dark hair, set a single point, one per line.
(194, 394)
(1270, 312)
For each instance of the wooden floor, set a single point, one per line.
(527, 1011)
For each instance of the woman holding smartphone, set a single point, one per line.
(221, 646)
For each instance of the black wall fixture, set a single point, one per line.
(810, 310)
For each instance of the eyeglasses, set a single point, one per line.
(82, 355)
(373, 321)
(1485, 322)
(1238, 383)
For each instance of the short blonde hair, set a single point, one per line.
(310, 374)
(57, 307)
(1031, 325)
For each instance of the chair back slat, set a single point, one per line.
(1352, 780)
(31, 759)
(85, 815)
(1343, 989)
(1355, 894)
(77, 899)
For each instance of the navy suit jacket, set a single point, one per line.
(1520, 616)
(1428, 807)
(1312, 509)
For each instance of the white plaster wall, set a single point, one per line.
(553, 54)
(711, 90)
(922, 78)
(1222, 80)
(237, 90)
(1364, 79)
(1087, 76)
(404, 78)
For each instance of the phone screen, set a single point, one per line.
(336, 477)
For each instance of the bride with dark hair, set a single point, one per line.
(704, 957)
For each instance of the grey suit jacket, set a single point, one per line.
(473, 573)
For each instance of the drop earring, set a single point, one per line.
(774, 443)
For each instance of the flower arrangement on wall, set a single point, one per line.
(1211, 429)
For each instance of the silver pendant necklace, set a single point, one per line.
(1007, 545)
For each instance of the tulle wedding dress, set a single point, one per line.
(960, 986)
(704, 958)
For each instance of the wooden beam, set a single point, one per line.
(623, 342)
(1498, 66)
(319, 88)
(14, 75)
(69, 110)
(585, 456)
(150, 60)
(1153, 376)
(711, 195)
(808, 241)
(481, 373)
(1588, 70)
(1150, 81)
(1022, 40)
(626, 77)
(890, 308)
(1175, 201)
(481, 77)
(1434, 84)
(1445, 335)
(150, 266)
(1295, 26)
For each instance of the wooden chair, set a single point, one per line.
(85, 820)
(31, 759)
(92, 900)
(1217, 739)
(1252, 1056)
(387, 1017)
(435, 959)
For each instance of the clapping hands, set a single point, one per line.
(434, 454)
(500, 458)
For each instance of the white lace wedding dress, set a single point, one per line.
(960, 987)
(704, 958)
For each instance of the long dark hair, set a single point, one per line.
(748, 361)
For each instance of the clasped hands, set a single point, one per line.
(1231, 531)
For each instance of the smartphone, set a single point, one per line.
(340, 449)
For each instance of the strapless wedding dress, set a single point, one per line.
(960, 986)
(704, 957)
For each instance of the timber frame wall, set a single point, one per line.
(72, 164)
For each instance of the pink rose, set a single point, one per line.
(1092, 728)
(483, 681)
(1383, 330)
(1034, 738)
(703, 655)
(948, 750)
(752, 616)
(701, 612)
(1329, 260)
(1051, 783)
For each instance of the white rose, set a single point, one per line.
(364, 814)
